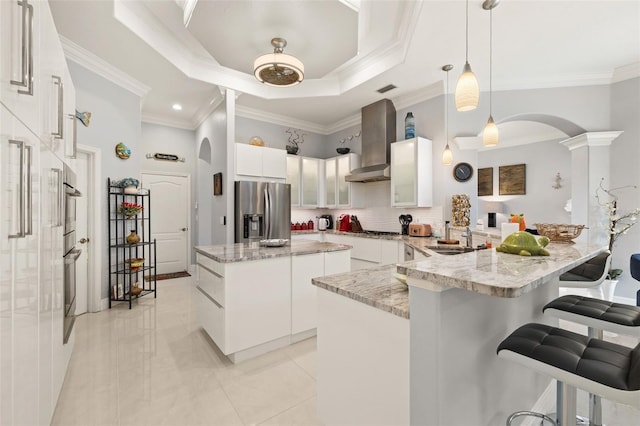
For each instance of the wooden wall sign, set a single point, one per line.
(512, 180)
(165, 157)
(485, 181)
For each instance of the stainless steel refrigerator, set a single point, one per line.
(262, 211)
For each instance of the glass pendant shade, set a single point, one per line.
(467, 90)
(490, 133)
(447, 156)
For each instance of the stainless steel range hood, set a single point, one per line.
(378, 131)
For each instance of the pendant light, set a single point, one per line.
(490, 133)
(467, 89)
(447, 155)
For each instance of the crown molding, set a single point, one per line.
(591, 139)
(164, 121)
(345, 123)
(626, 72)
(205, 111)
(256, 114)
(413, 98)
(98, 66)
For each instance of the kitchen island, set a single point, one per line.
(252, 299)
(460, 308)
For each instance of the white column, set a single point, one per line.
(589, 165)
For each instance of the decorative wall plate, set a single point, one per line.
(122, 151)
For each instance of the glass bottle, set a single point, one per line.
(409, 126)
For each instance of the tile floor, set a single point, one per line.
(153, 365)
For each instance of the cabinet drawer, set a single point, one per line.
(211, 317)
(216, 267)
(211, 283)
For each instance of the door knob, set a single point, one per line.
(83, 240)
(183, 229)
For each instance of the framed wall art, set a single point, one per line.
(512, 179)
(485, 181)
(217, 184)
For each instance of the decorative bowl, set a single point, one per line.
(293, 150)
(134, 263)
(256, 141)
(559, 233)
(343, 150)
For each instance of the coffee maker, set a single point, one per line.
(330, 219)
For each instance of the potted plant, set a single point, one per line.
(130, 210)
(294, 140)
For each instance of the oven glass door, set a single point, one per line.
(69, 214)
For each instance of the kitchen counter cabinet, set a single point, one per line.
(461, 307)
(369, 252)
(252, 299)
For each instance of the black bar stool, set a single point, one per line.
(576, 361)
(598, 315)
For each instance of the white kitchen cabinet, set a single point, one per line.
(338, 193)
(33, 358)
(305, 176)
(260, 162)
(368, 253)
(244, 304)
(412, 173)
(293, 178)
(20, 85)
(303, 293)
(304, 299)
(19, 281)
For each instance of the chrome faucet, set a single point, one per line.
(447, 230)
(467, 233)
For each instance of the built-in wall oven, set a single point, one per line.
(71, 253)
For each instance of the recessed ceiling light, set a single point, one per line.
(177, 107)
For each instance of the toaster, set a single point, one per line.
(419, 230)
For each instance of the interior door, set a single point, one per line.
(169, 220)
(80, 165)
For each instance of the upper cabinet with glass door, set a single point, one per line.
(338, 192)
(411, 173)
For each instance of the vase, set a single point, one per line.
(130, 190)
(293, 150)
(133, 237)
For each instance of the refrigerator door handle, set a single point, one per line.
(267, 213)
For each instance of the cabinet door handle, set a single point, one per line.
(29, 203)
(57, 81)
(59, 203)
(26, 67)
(74, 139)
(209, 297)
(20, 233)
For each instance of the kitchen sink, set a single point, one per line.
(450, 250)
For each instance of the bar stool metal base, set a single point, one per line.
(544, 417)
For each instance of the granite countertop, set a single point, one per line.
(375, 287)
(242, 252)
(496, 274)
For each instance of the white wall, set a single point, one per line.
(115, 117)
(170, 140)
(625, 170)
(210, 230)
(274, 136)
(542, 203)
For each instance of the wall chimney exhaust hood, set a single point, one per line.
(378, 131)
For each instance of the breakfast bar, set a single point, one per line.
(460, 308)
